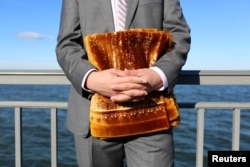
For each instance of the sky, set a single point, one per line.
(220, 31)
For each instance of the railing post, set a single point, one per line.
(200, 138)
(18, 136)
(53, 118)
(236, 130)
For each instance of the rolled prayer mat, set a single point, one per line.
(130, 49)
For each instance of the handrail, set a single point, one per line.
(57, 77)
(54, 106)
(188, 77)
(201, 106)
(18, 106)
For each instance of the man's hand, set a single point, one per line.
(117, 84)
(129, 91)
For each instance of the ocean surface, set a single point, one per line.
(36, 124)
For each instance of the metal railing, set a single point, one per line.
(57, 77)
(18, 106)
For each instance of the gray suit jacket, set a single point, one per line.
(81, 17)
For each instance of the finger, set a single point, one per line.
(119, 98)
(131, 79)
(138, 72)
(134, 93)
(128, 86)
(119, 73)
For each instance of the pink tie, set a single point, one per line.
(121, 13)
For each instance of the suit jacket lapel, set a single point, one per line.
(131, 8)
(107, 13)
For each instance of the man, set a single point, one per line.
(82, 17)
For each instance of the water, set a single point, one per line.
(36, 124)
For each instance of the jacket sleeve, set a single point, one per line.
(175, 23)
(70, 52)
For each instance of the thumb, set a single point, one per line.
(131, 72)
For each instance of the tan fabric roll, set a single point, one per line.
(130, 49)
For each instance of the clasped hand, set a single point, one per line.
(124, 85)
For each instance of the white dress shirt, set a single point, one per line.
(156, 69)
(114, 8)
